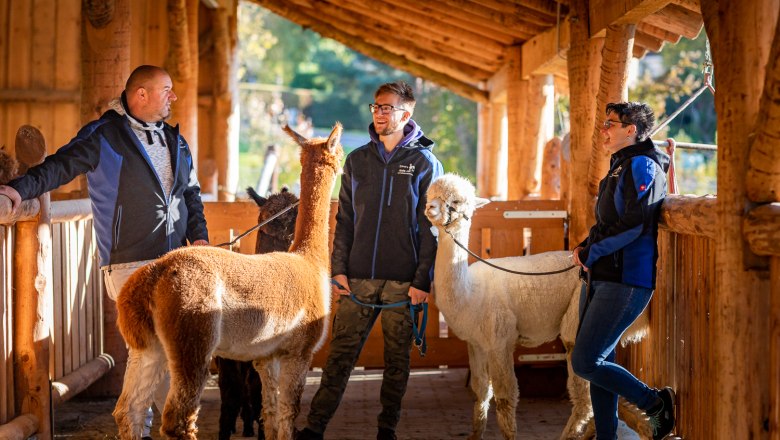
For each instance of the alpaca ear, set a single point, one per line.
(300, 140)
(480, 202)
(260, 200)
(335, 137)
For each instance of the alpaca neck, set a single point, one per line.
(312, 224)
(451, 267)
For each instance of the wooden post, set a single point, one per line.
(584, 59)
(613, 87)
(182, 65)
(225, 121)
(551, 170)
(517, 98)
(763, 179)
(32, 308)
(483, 147)
(105, 59)
(741, 34)
(774, 353)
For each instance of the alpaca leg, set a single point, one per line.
(502, 374)
(248, 415)
(230, 396)
(182, 406)
(582, 410)
(143, 374)
(269, 376)
(480, 386)
(635, 418)
(254, 389)
(292, 380)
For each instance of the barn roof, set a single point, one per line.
(461, 44)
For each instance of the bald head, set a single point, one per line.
(149, 93)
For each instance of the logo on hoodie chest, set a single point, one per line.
(405, 170)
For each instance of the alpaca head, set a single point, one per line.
(282, 228)
(320, 153)
(451, 201)
(9, 167)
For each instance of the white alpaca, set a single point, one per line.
(493, 310)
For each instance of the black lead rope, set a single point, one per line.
(259, 225)
(503, 268)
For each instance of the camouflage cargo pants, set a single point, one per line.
(351, 326)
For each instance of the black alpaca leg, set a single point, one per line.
(231, 384)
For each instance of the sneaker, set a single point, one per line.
(308, 434)
(662, 419)
(146, 438)
(386, 434)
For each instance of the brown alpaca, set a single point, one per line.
(197, 302)
(9, 167)
(240, 389)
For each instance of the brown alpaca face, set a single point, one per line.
(327, 152)
(282, 227)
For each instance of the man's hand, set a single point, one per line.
(417, 296)
(200, 243)
(341, 285)
(13, 195)
(575, 257)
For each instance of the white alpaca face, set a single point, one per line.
(450, 201)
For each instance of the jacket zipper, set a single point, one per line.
(117, 225)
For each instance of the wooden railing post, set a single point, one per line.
(33, 318)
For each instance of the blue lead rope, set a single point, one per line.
(417, 333)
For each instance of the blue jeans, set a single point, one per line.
(612, 309)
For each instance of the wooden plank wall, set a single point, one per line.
(492, 236)
(6, 326)
(78, 292)
(677, 351)
(40, 48)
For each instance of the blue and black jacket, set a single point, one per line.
(622, 245)
(134, 219)
(381, 228)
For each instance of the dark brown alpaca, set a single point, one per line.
(240, 389)
(198, 302)
(9, 167)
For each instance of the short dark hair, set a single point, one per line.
(636, 113)
(141, 75)
(400, 89)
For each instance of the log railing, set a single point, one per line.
(50, 306)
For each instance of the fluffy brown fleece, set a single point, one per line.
(9, 167)
(198, 302)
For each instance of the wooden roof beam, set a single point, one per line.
(604, 13)
(489, 54)
(447, 63)
(691, 5)
(520, 16)
(678, 20)
(546, 52)
(647, 41)
(284, 9)
(657, 32)
(410, 16)
(483, 26)
(545, 7)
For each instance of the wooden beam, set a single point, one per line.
(762, 229)
(284, 9)
(546, 52)
(677, 20)
(482, 26)
(613, 87)
(648, 41)
(517, 99)
(446, 61)
(691, 5)
(411, 18)
(657, 32)
(604, 13)
(638, 52)
(471, 44)
(544, 7)
(763, 176)
(690, 215)
(520, 16)
(20, 428)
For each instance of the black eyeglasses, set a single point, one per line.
(384, 109)
(609, 123)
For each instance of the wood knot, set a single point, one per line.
(99, 12)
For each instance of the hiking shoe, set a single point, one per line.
(386, 434)
(308, 434)
(662, 419)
